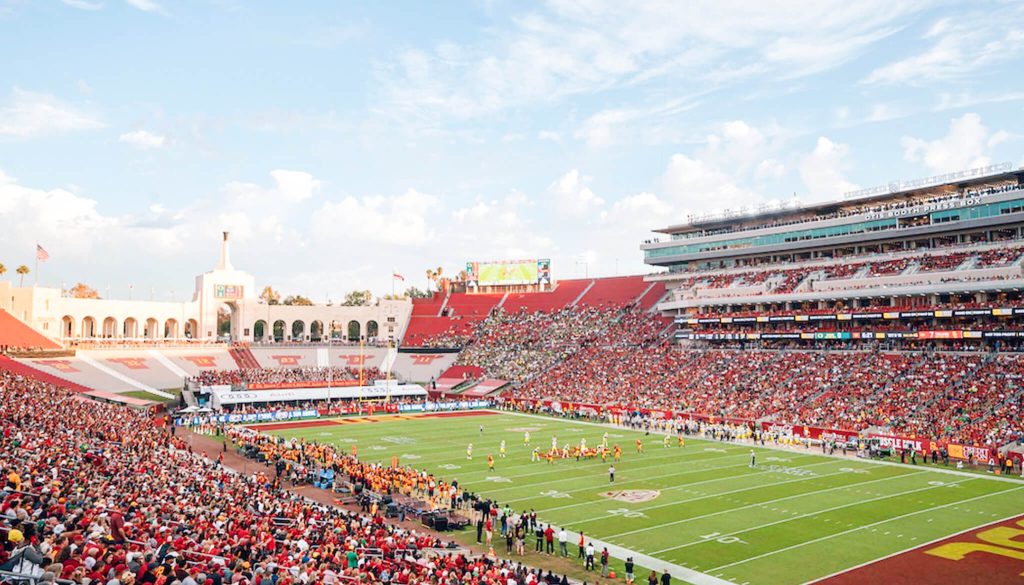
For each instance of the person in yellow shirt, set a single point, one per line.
(14, 480)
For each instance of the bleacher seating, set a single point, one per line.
(617, 291)
(564, 293)
(428, 307)
(472, 305)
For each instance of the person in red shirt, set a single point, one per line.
(549, 539)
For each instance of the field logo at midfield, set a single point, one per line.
(631, 496)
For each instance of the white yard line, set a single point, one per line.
(907, 515)
(644, 560)
(686, 485)
(549, 471)
(809, 514)
(613, 485)
(758, 504)
(932, 468)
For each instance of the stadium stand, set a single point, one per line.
(472, 305)
(438, 331)
(243, 357)
(15, 335)
(564, 294)
(428, 307)
(13, 368)
(614, 292)
(190, 520)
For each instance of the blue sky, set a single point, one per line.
(338, 141)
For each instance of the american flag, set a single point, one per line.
(42, 254)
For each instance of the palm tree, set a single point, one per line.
(3, 269)
(22, 271)
(431, 277)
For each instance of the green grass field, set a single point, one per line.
(795, 517)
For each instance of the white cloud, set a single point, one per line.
(549, 136)
(295, 185)
(571, 47)
(960, 47)
(146, 6)
(143, 139)
(822, 171)
(83, 5)
(397, 220)
(965, 146)
(58, 219)
(32, 114)
(697, 186)
(572, 195)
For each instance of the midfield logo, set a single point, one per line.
(631, 496)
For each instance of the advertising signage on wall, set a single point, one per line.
(228, 291)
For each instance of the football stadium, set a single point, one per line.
(825, 389)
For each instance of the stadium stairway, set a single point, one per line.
(21, 369)
(244, 358)
(582, 294)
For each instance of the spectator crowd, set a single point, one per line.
(99, 494)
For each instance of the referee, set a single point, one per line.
(611, 474)
(753, 458)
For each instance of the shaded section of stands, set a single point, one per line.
(16, 334)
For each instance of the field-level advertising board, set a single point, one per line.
(509, 272)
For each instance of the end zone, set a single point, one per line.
(992, 554)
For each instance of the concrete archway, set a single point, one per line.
(130, 328)
(67, 330)
(150, 331)
(298, 330)
(191, 329)
(279, 331)
(171, 329)
(110, 328)
(354, 330)
(372, 329)
(259, 330)
(316, 330)
(89, 327)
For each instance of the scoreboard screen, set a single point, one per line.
(509, 273)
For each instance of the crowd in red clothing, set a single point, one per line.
(964, 397)
(96, 493)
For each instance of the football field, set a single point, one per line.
(700, 510)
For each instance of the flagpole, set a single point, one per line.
(36, 281)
